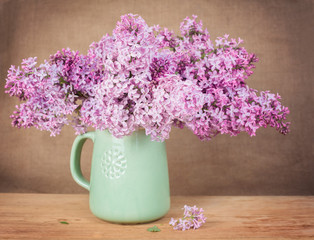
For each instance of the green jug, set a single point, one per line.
(129, 180)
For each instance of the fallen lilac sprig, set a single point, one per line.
(193, 218)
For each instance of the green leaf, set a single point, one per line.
(62, 81)
(64, 222)
(153, 229)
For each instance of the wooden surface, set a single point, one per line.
(38, 216)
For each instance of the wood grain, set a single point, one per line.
(38, 216)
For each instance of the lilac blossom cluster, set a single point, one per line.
(146, 77)
(193, 218)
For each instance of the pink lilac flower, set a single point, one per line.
(147, 77)
(193, 218)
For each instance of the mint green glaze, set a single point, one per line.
(129, 180)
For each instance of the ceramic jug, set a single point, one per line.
(129, 180)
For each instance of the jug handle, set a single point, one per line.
(75, 161)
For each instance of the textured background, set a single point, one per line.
(279, 32)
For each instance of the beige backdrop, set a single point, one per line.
(279, 32)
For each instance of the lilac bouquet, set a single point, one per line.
(146, 77)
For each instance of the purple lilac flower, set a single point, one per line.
(193, 218)
(146, 77)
